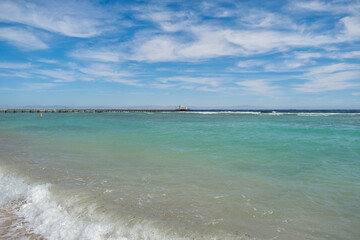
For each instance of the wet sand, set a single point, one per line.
(15, 227)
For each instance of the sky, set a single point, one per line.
(242, 54)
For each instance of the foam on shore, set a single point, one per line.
(33, 214)
(45, 217)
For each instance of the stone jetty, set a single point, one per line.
(36, 110)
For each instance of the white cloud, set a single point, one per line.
(96, 55)
(288, 65)
(50, 61)
(208, 84)
(251, 63)
(38, 86)
(21, 38)
(200, 39)
(291, 64)
(209, 42)
(31, 87)
(337, 67)
(313, 5)
(163, 85)
(256, 18)
(348, 10)
(107, 72)
(213, 9)
(70, 18)
(210, 81)
(253, 42)
(10, 89)
(308, 55)
(259, 87)
(58, 75)
(167, 20)
(157, 49)
(335, 7)
(207, 89)
(95, 72)
(185, 36)
(12, 65)
(352, 27)
(329, 82)
(332, 77)
(16, 73)
(103, 70)
(174, 27)
(92, 72)
(125, 81)
(353, 54)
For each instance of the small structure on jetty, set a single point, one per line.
(182, 108)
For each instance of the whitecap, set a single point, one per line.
(33, 203)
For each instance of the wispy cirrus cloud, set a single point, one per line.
(39, 86)
(352, 54)
(211, 42)
(69, 18)
(34, 86)
(352, 26)
(57, 75)
(103, 70)
(335, 7)
(199, 83)
(308, 55)
(333, 68)
(328, 78)
(89, 73)
(99, 55)
(209, 81)
(313, 5)
(21, 38)
(330, 82)
(260, 19)
(12, 65)
(251, 63)
(109, 73)
(16, 74)
(259, 87)
(184, 36)
(348, 12)
(49, 61)
(68, 73)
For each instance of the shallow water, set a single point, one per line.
(205, 175)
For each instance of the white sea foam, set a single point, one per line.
(52, 221)
(43, 216)
(274, 113)
(325, 114)
(33, 203)
(225, 112)
(206, 112)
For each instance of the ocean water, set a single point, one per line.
(190, 175)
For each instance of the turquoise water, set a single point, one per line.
(206, 175)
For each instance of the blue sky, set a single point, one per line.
(268, 54)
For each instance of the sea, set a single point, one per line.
(256, 174)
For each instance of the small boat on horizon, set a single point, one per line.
(182, 108)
